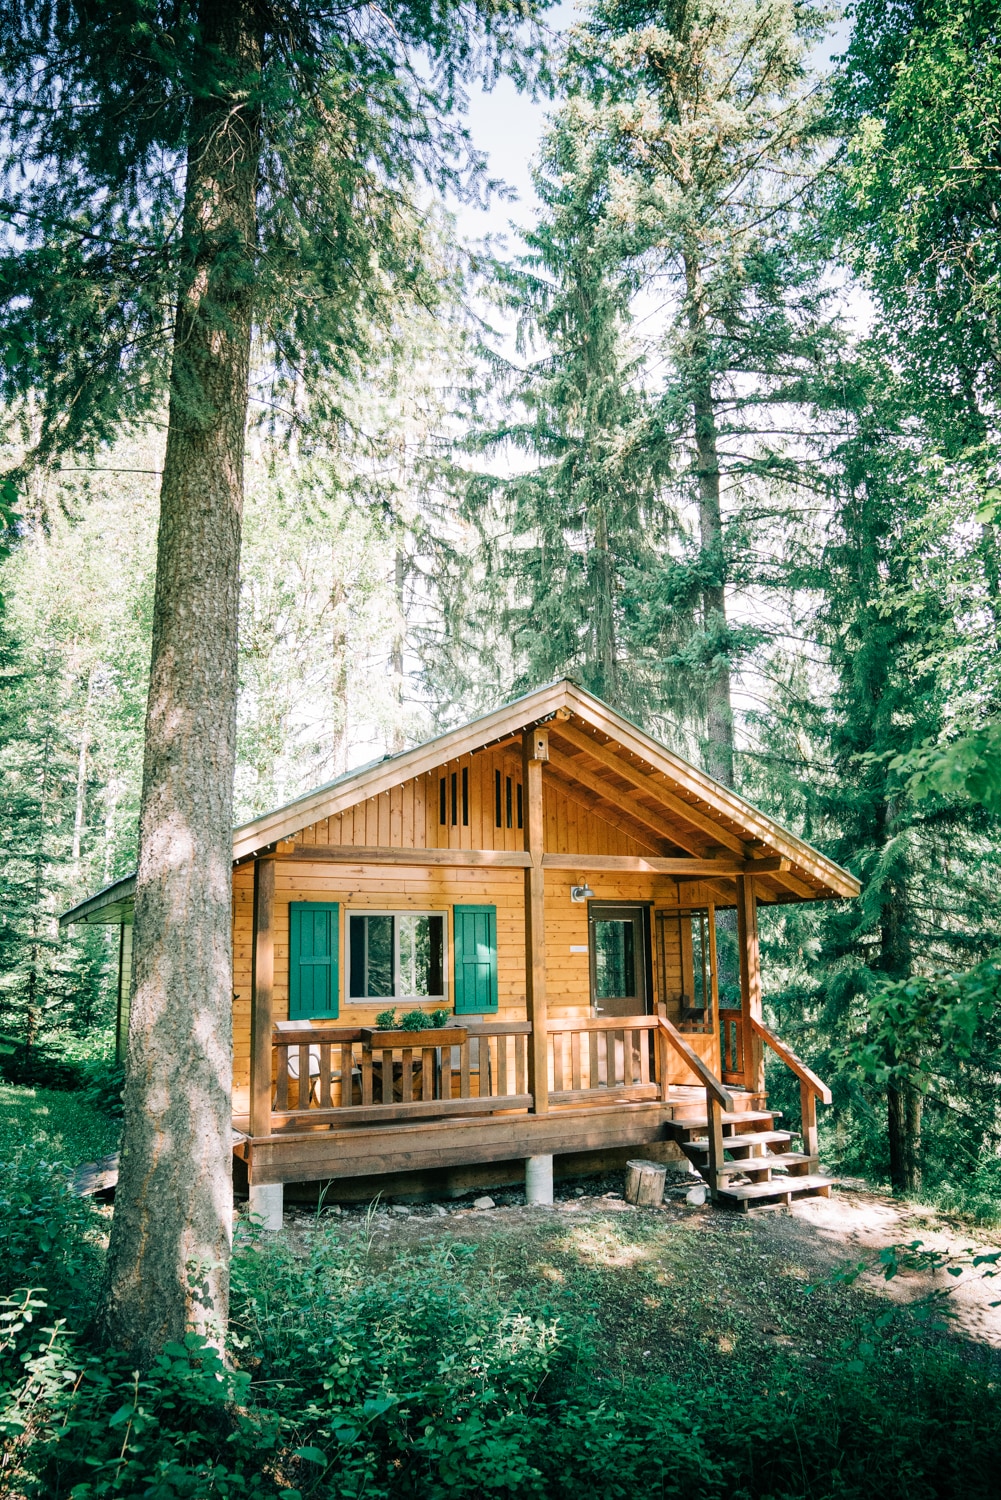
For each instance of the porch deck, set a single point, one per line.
(346, 1106)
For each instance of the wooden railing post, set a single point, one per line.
(811, 1088)
(535, 751)
(262, 997)
(717, 1098)
(713, 977)
(750, 983)
(714, 1120)
(808, 1115)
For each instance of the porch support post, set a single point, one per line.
(539, 1179)
(267, 1205)
(535, 751)
(718, 1048)
(262, 997)
(750, 983)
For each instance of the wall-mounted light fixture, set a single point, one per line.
(581, 893)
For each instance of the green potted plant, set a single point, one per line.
(414, 1028)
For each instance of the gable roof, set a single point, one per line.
(594, 745)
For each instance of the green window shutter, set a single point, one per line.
(475, 944)
(314, 977)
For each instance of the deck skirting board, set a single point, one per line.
(334, 1154)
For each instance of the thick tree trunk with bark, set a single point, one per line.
(604, 652)
(168, 1262)
(904, 1104)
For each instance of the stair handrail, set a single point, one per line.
(718, 1098)
(811, 1088)
(796, 1064)
(701, 1069)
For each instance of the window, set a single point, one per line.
(396, 956)
(614, 958)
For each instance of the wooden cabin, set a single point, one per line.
(561, 886)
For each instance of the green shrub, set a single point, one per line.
(41, 1066)
(435, 1378)
(48, 1235)
(101, 1085)
(413, 1020)
(98, 1430)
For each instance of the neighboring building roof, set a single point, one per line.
(111, 904)
(596, 746)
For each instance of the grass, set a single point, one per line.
(65, 1126)
(683, 1295)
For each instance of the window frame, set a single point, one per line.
(445, 999)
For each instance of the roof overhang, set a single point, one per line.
(113, 904)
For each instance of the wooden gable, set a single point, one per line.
(610, 792)
(475, 801)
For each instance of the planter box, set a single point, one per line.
(435, 1036)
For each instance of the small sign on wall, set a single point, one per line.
(578, 947)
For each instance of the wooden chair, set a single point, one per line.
(314, 1074)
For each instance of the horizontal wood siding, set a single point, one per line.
(382, 888)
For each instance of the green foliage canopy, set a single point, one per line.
(354, 104)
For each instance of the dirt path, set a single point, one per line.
(855, 1226)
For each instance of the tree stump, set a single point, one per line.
(645, 1183)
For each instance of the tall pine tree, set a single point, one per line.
(199, 173)
(686, 342)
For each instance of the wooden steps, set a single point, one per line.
(753, 1165)
(738, 1117)
(759, 1169)
(747, 1139)
(744, 1195)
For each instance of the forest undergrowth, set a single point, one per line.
(598, 1354)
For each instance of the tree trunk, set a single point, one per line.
(903, 1102)
(399, 640)
(81, 773)
(168, 1261)
(904, 1111)
(604, 665)
(718, 753)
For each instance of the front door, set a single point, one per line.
(619, 948)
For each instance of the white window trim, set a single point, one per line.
(414, 1000)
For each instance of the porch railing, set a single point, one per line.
(811, 1088)
(325, 1075)
(603, 1059)
(717, 1098)
(731, 1045)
